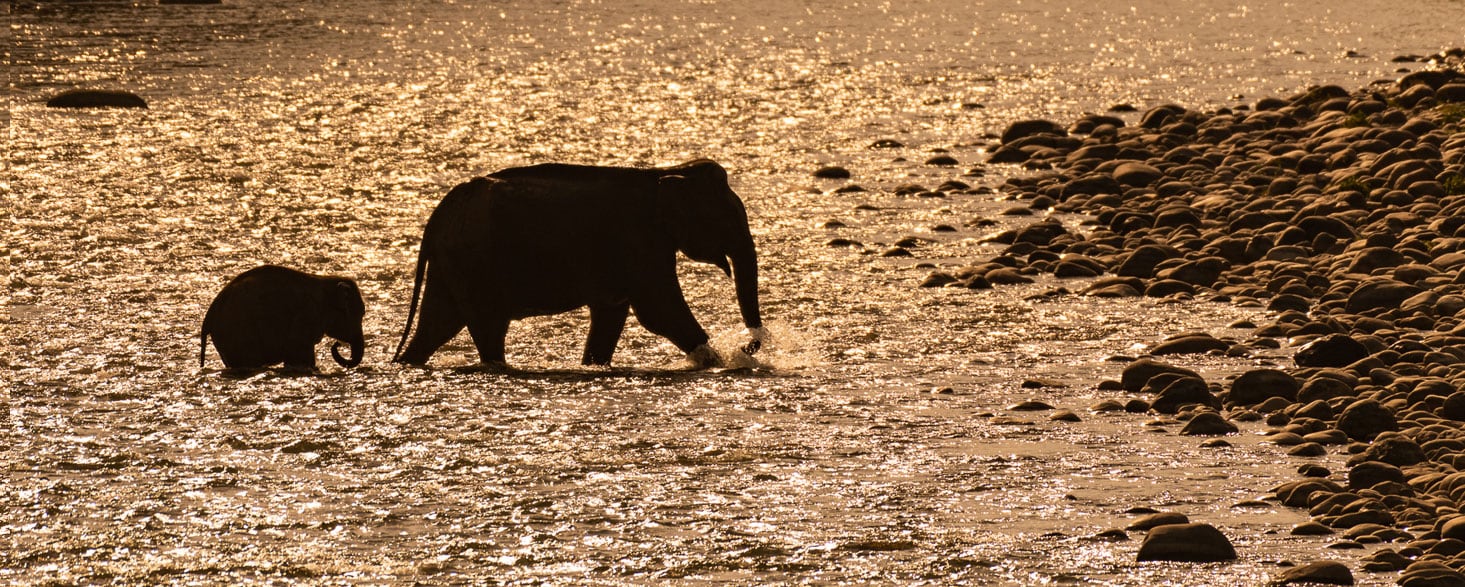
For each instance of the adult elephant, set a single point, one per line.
(545, 239)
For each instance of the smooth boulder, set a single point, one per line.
(1196, 543)
(96, 99)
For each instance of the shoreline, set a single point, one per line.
(1335, 210)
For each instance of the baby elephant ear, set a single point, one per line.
(348, 296)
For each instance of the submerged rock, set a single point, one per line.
(1317, 573)
(96, 99)
(1186, 543)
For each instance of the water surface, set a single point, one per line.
(321, 135)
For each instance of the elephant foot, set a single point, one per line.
(759, 336)
(703, 357)
(492, 367)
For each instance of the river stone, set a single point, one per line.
(1136, 174)
(1258, 385)
(1379, 293)
(1137, 373)
(1365, 419)
(1430, 573)
(1394, 449)
(1322, 388)
(1370, 473)
(1333, 350)
(1312, 529)
(1191, 344)
(1453, 528)
(1184, 391)
(1142, 261)
(1186, 543)
(1208, 424)
(1317, 573)
(1157, 519)
(1026, 128)
(1453, 407)
(96, 99)
(832, 172)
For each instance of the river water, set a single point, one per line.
(874, 441)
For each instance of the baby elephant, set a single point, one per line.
(272, 314)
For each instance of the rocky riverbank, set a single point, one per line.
(1340, 212)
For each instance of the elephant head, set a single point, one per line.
(342, 312)
(707, 222)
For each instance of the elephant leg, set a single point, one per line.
(439, 321)
(302, 358)
(665, 312)
(488, 335)
(606, 324)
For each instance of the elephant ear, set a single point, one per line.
(348, 298)
(691, 218)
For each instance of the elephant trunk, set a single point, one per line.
(745, 278)
(358, 347)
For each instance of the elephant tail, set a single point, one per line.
(412, 307)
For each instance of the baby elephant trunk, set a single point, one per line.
(358, 347)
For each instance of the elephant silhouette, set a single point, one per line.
(272, 314)
(546, 239)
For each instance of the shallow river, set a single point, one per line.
(872, 442)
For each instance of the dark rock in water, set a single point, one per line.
(1317, 573)
(1006, 276)
(832, 172)
(1370, 473)
(96, 99)
(1168, 287)
(1026, 128)
(1040, 233)
(1308, 449)
(1333, 350)
(1365, 419)
(938, 279)
(1139, 372)
(1071, 267)
(1181, 392)
(1299, 493)
(1186, 543)
(1190, 344)
(1157, 519)
(886, 144)
(1312, 529)
(1208, 424)
(943, 160)
(1258, 385)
